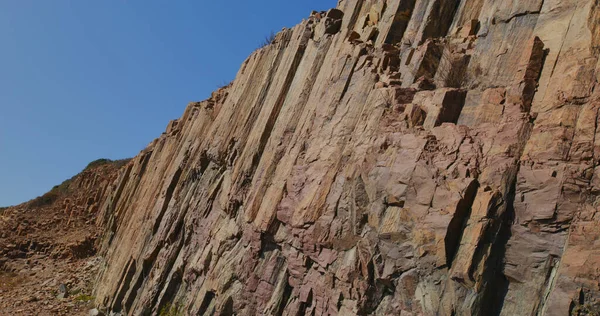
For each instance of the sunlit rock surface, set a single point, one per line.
(400, 157)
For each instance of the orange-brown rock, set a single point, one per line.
(399, 157)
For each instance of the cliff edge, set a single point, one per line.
(399, 157)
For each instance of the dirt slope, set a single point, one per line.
(48, 245)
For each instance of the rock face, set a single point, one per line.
(399, 157)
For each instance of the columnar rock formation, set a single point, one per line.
(399, 157)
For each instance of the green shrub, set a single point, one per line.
(45, 199)
(103, 161)
(98, 163)
(268, 40)
(63, 188)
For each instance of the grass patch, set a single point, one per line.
(103, 161)
(45, 199)
(9, 280)
(98, 163)
(63, 188)
(84, 298)
(170, 310)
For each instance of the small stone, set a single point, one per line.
(95, 312)
(62, 291)
(380, 85)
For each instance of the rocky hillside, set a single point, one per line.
(48, 246)
(399, 157)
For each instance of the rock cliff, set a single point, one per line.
(399, 157)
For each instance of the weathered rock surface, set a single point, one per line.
(399, 157)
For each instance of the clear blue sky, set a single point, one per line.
(88, 79)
